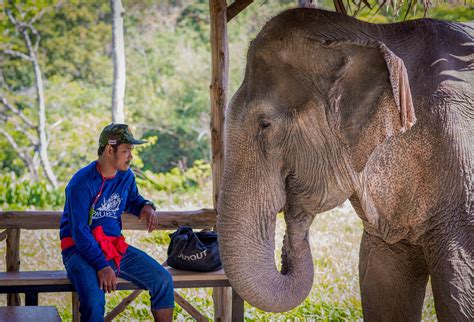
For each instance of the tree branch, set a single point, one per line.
(12, 18)
(25, 119)
(21, 153)
(37, 37)
(15, 53)
(38, 15)
(29, 162)
(33, 140)
(3, 82)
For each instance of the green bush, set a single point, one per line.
(18, 193)
(176, 180)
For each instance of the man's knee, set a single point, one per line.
(163, 281)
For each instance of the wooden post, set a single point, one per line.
(13, 261)
(237, 307)
(76, 315)
(218, 88)
(218, 91)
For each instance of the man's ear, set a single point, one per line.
(109, 150)
(370, 100)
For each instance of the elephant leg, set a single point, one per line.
(451, 266)
(393, 280)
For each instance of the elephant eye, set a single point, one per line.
(263, 124)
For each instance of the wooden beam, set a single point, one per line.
(37, 281)
(339, 6)
(198, 219)
(122, 306)
(195, 314)
(218, 88)
(235, 8)
(13, 261)
(218, 92)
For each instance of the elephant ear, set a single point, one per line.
(370, 100)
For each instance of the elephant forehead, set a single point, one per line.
(287, 48)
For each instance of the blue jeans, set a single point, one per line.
(136, 266)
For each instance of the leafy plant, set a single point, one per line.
(20, 193)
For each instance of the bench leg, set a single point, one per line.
(13, 300)
(237, 307)
(76, 316)
(222, 298)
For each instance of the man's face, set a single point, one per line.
(122, 157)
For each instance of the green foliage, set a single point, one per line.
(451, 12)
(158, 237)
(176, 180)
(20, 194)
(445, 11)
(75, 40)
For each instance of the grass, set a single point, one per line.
(335, 296)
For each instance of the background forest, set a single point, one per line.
(167, 101)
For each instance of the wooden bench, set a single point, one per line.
(31, 283)
(29, 313)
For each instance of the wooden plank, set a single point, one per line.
(235, 8)
(13, 260)
(39, 278)
(198, 219)
(29, 313)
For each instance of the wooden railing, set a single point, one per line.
(199, 219)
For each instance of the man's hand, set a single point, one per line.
(107, 279)
(151, 217)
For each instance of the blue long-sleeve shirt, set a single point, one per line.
(119, 194)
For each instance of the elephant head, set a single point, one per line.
(298, 132)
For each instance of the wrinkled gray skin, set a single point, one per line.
(331, 109)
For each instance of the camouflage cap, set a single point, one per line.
(115, 134)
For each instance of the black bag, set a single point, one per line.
(194, 251)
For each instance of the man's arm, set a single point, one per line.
(141, 207)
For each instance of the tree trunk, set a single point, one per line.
(41, 129)
(118, 53)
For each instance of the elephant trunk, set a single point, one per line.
(247, 246)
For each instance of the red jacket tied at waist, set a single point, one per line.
(113, 247)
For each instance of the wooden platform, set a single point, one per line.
(29, 313)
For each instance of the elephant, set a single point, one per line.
(333, 109)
